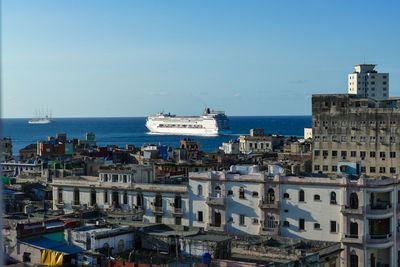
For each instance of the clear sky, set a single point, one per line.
(132, 58)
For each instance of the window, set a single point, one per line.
(199, 190)
(362, 139)
(353, 139)
(241, 192)
(333, 198)
(325, 168)
(158, 219)
(125, 198)
(286, 224)
(76, 196)
(333, 226)
(114, 178)
(392, 139)
(372, 154)
(200, 216)
(254, 194)
(392, 170)
(325, 153)
(382, 154)
(353, 201)
(344, 138)
(353, 259)
(334, 138)
(316, 153)
(105, 196)
(353, 154)
(363, 169)
(317, 198)
(372, 139)
(343, 123)
(301, 195)
(317, 226)
(372, 169)
(178, 220)
(60, 195)
(26, 257)
(344, 154)
(334, 153)
(382, 170)
(286, 195)
(125, 179)
(316, 167)
(324, 138)
(105, 177)
(353, 123)
(382, 139)
(230, 193)
(392, 154)
(362, 154)
(301, 224)
(334, 168)
(342, 104)
(242, 219)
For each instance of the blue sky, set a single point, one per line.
(133, 58)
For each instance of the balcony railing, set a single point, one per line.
(352, 238)
(348, 210)
(213, 227)
(216, 201)
(177, 211)
(379, 238)
(158, 210)
(380, 208)
(267, 204)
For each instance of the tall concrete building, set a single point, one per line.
(367, 82)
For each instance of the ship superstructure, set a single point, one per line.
(210, 123)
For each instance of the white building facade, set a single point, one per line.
(367, 82)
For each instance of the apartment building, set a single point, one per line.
(361, 214)
(258, 142)
(348, 128)
(365, 81)
(124, 193)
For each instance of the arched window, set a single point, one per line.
(301, 195)
(139, 201)
(241, 192)
(76, 196)
(333, 198)
(270, 222)
(271, 196)
(353, 259)
(199, 190)
(317, 197)
(353, 201)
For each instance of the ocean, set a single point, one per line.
(122, 131)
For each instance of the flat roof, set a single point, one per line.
(49, 244)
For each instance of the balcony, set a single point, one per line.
(177, 211)
(158, 210)
(347, 210)
(379, 238)
(265, 230)
(265, 204)
(216, 201)
(379, 209)
(60, 205)
(214, 228)
(352, 238)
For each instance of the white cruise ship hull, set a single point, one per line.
(44, 121)
(210, 124)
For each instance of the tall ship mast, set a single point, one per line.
(210, 123)
(41, 117)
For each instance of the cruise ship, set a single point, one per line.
(210, 123)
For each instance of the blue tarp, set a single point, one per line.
(49, 244)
